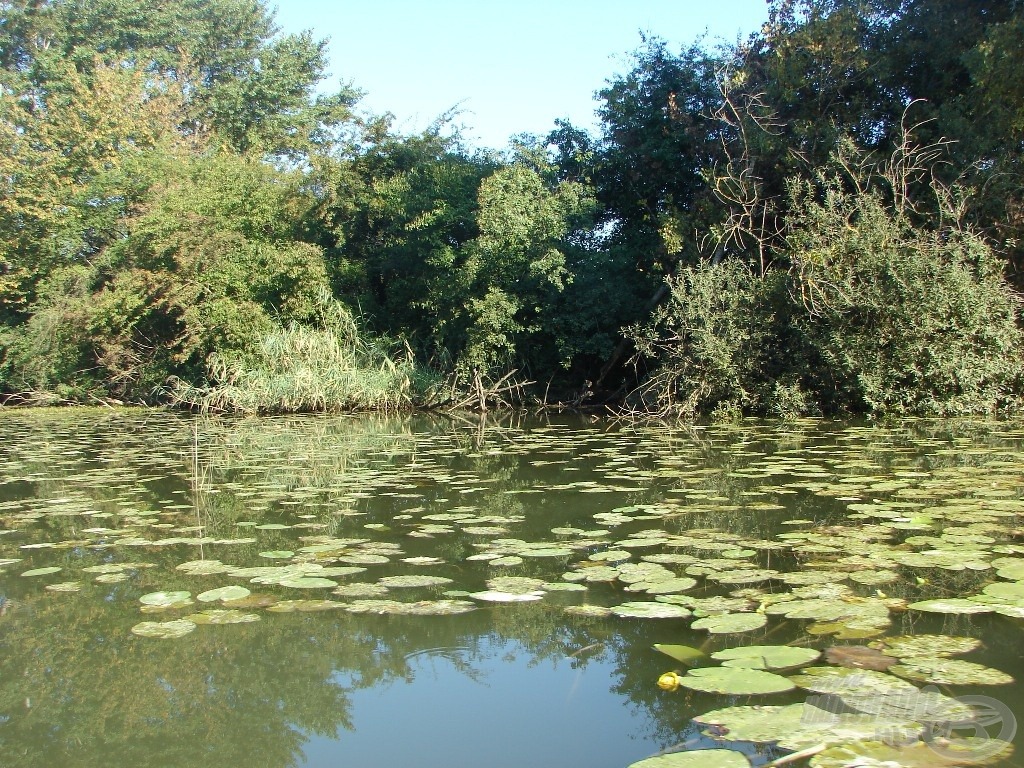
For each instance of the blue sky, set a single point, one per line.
(510, 67)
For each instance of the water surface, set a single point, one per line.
(120, 501)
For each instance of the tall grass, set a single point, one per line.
(333, 367)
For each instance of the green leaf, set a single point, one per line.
(735, 681)
(766, 656)
(681, 653)
(701, 758)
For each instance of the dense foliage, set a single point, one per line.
(824, 218)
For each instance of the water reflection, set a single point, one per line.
(506, 684)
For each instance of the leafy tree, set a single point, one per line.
(239, 78)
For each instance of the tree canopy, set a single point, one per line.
(825, 217)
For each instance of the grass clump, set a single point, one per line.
(332, 366)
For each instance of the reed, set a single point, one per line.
(331, 367)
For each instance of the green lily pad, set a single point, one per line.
(909, 646)
(223, 593)
(498, 596)
(304, 606)
(1008, 590)
(164, 629)
(681, 653)
(701, 758)
(515, 584)
(848, 680)
(166, 599)
(43, 571)
(65, 586)
(950, 752)
(413, 581)
(220, 616)
(730, 623)
(798, 726)
(277, 554)
(650, 610)
(308, 582)
(950, 605)
(588, 611)
(766, 656)
(735, 681)
(949, 672)
(204, 567)
(420, 608)
(670, 586)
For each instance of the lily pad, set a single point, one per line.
(950, 605)
(304, 606)
(701, 758)
(166, 599)
(413, 581)
(223, 593)
(204, 567)
(65, 586)
(498, 596)
(731, 623)
(164, 629)
(681, 653)
(919, 754)
(222, 616)
(735, 681)
(909, 646)
(949, 672)
(43, 571)
(650, 610)
(308, 582)
(766, 656)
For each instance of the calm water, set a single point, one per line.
(334, 508)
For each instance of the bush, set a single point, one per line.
(875, 317)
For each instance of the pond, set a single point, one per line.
(507, 591)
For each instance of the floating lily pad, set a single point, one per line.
(766, 656)
(305, 606)
(682, 653)
(588, 611)
(43, 571)
(420, 608)
(218, 616)
(413, 581)
(65, 586)
(919, 754)
(731, 623)
(164, 629)
(1007, 590)
(166, 599)
(497, 596)
(308, 582)
(735, 681)
(650, 610)
(515, 584)
(908, 646)
(950, 605)
(222, 593)
(949, 672)
(670, 586)
(204, 567)
(701, 758)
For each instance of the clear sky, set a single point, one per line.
(510, 67)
